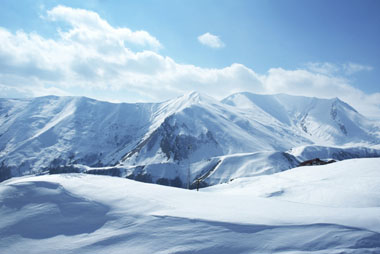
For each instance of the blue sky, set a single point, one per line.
(314, 48)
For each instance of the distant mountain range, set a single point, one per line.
(180, 140)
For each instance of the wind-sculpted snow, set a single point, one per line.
(40, 209)
(174, 141)
(319, 209)
(349, 183)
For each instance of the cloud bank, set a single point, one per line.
(93, 58)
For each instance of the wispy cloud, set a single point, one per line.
(323, 68)
(211, 40)
(351, 68)
(93, 58)
(345, 69)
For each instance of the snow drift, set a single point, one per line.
(320, 209)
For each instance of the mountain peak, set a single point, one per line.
(193, 94)
(196, 96)
(344, 104)
(193, 98)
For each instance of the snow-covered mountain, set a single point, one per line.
(177, 141)
(323, 121)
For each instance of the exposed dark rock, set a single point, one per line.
(5, 172)
(303, 123)
(141, 177)
(163, 181)
(63, 169)
(343, 128)
(176, 182)
(334, 111)
(92, 160)
(108, 172)
(291, 159)
(180, 146)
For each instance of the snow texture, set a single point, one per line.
(318, 209)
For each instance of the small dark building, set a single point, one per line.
(315, 161)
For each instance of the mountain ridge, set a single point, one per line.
(41, 133)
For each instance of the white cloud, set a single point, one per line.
(92, 58)
(211, 40)
(87, 26)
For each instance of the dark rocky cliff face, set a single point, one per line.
(179, 146)
(176, 145)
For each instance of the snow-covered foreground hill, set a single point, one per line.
(176, 141)
(333, 208)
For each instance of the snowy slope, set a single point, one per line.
(215, 170)
(349, 183)
(309, 152)
(200, 127)
(324, 121)
(48, 131)
(229, 167)
(322, 209)
(174, 140)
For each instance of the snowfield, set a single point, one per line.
(333, 208)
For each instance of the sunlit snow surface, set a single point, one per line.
(321, 209)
